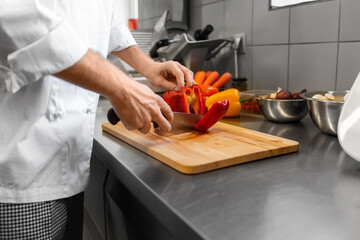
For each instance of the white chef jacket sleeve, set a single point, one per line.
(41, 42)
(120, 35)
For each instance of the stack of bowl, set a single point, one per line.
(325, 113)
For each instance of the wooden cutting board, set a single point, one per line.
(192, 152)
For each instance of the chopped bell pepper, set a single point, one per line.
(213, 115)
(191, 100)
(187, 100)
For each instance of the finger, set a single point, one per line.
(175, 70)
(127, 126)
(167, 112)
(145, 129)
(166, 83)
(163, 123)
(189, 75)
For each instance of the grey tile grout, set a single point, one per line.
(252, 40)
(307, 43)
(338, 46)
(288, 60)
(215, 1)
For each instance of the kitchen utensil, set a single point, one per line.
(193, 152)
(325, 113)
(348, 128)
(182, 121)
(282, 110)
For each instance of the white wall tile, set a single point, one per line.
(238, 18)
(195, 19)
(208, 14)
(348, 65)
(316, 22)
(270, 65)
(349, 20)
(146, 9)
(312, 66)
(270, 27)
(161, 6)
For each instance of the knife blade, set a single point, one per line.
(182, 121)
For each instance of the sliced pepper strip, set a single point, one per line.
(213, 115)
(187, 100)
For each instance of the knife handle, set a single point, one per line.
(114, 119)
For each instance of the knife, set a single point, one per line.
(182, 121)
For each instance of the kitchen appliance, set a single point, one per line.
(181, 122)
(171, 41)
(349, 122)
(193, 152)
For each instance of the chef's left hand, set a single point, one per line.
(170, 75)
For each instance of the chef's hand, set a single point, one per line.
(170, 75)
(134, 103)
(137, 106)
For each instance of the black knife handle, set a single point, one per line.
(114, 119)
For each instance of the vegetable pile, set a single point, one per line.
(285, 94)
(210, 81)
(206, 98)
(190, 100)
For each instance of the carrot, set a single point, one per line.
(223, 80)
(199, 77)
(212, 78)
(208, 74)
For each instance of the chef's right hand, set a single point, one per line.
(137, 106)
(134, 103)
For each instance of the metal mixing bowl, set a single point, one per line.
(325, 113)
(282, 110)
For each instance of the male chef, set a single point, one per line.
(52, 69)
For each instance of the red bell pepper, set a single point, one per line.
(187, 100)
(213, 115)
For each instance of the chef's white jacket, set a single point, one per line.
(46, 124)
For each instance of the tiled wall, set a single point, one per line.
(314, 46)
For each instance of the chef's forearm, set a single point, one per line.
(96, 74)
(136, 58)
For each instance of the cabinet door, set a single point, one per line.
(127, 218)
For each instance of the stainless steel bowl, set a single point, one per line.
(282, 110)
(325, 113)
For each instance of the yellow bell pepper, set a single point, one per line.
(233, 95)
(234, 109)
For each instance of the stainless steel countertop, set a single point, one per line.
(311, 194)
